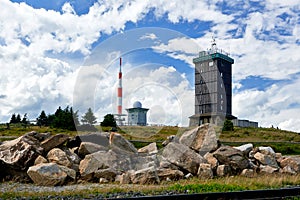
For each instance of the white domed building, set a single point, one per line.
(137, 116)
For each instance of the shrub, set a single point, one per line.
(228, 125)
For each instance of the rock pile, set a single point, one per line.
(109, 157)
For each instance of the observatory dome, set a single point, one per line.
(137, 104)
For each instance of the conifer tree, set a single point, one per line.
(13, 119)
(89, 118)
(42, 120)
(109, 120)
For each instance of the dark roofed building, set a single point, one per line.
(213, 87)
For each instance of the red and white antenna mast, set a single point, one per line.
(119, 107)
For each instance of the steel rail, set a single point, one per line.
(283, 193)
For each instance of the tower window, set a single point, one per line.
(221, 74)
(211, 63)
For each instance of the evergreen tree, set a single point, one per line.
(18, 120)
(13, 119)
(58, 112)
(25, 120)
(42, 120)
(228, 125)
(109, 120)
(63, 119)
(89, 118)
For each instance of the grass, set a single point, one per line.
(194, 185)
(259, 135)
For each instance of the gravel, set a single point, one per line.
(12, 187)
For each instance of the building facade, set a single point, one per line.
(137, 116)
(213, 87)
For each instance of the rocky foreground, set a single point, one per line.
(51, 160)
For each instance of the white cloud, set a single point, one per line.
(182, 48)
(67, 8)
(277, 105)
(150, 36)
(264, 42)
(190, 11)
(162, 90)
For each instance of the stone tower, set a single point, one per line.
(213, 86)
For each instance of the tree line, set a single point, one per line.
(67, 119)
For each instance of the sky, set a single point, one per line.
(66, 53)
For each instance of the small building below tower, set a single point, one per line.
(137, 116)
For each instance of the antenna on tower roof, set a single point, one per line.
(213, 44)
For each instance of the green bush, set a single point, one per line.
(228, 125)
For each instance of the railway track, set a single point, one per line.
(284, 193)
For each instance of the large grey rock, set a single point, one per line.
(117, 140)
(171, 138)
(54, 141)
(164, 163)
(266, 150)
(165, 174)
(100, 138)
(202, 139)
(224, 170)
(150, 148)
(265, 159)
(288, 170)
(267, 169)
(72, 156)
(89, 147)
(183, 157)
(246, 148)
(116, 159)
(108, 174)
(47, 174)
(39, 136)
(211, 160)
(20, 153)
(124, 178)
(145, 176)
(250, 173)
(232, 157)
(293, 162)
(205, 171)
(58, 156)
(70, 172)
(40, 159)
(279, 157)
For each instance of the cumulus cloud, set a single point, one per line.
(39, 48)
(181, 48)
(162, 89)
(150, 36)
(277, 105)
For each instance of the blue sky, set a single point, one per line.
(59, 53)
